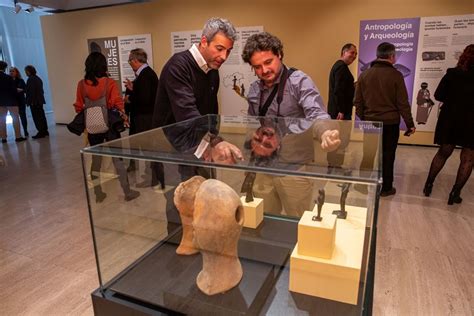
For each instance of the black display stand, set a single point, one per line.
(164, 282)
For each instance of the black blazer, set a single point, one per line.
(7, 90)
(142, 98)
(20, 96)
(34, 91)
(341, 90)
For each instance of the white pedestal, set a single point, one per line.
(336, 278)
(316, 238)
(253, 212)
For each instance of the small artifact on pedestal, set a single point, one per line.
(320, 203)
(247, 186)
(342, 214)
(218, 220)
(184, 200)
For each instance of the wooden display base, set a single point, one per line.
(253, 212)
(336, 278)
(316, 238)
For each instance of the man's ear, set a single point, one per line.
(203, 41)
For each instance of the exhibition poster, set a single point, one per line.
(116, 50)
(425, 48)
(235, 75)
(403, 33)
(441, 42)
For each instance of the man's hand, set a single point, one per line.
(128, 84)
(410, 131)
(340, 116)
(124, 116)
(330, 140)
(226, 153)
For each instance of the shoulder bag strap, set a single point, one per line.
(262, 110)
(281, 87)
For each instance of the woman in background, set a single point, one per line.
(455, 125)
(20, 98)
(95, 86)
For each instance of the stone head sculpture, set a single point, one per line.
(217, 223)
(184, 200)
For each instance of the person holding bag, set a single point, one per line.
(96, 94)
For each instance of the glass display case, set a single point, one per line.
(300, 222)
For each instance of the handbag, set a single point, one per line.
(77, 125)
(116, 122)
(96, 114)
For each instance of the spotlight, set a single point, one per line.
(30, 9)
(17, 8)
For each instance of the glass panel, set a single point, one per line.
(297, 151)
(137, 229)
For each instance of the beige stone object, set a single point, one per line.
(337, 278)
(218, 220)
(317, 238)
(184, 200)
(253, 212)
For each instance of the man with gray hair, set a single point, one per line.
(381, 95)
(190, 79)
(141, 94)
(188, 88)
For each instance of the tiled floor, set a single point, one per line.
(424, 261)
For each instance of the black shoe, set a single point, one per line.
(427, 189)
(39, 135)
(131, 195)
(20, 139)
(4, 140)
(388, 192)
(100, 196)
(454, 197)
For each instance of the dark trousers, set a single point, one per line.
(390, 136)
(95, 139)
(24, 121)
(141, 123)
(39, 118)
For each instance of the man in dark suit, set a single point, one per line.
(341, 95)
(8, 104)
(35, 99)
(142, 91)
(141, 95)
